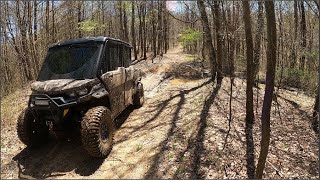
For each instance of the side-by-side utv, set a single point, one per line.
(83, 83)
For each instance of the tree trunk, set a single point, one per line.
(144, 31)
(35, 31)
(249, 90)
(165, 24)
(207, 39)
(303, 36)
(257, 47)
(270, 76)
(294, 46)
(125, 23)
(231, 43)
(47, 20)
(140, 29)
(104, 31)
(154, 37)
(121, 20)
(249, 43)
(24, 53)
(133, 31)
(79, 19)
(159, 30)
(53, 24)
(217, 17)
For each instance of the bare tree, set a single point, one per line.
(249, 90)
(209, 52)
(154, 39)
(133, 31)
(257, 47)
(270, 76)
(249, 43)
(303, 35)
(216, 10)
(125, 21)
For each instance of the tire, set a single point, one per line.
(138, 99)
(31, 131)
(97, 131)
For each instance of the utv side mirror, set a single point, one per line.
(100, 72)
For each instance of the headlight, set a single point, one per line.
(41, 102)
(72, 94)
(82, 92)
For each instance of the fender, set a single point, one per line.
(98, 93)
(137, 78)
(136, 82)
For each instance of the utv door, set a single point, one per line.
(129, 75)
(129, 85)
(115, 78)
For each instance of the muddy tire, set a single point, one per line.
(97, 131)
(31, 131)
(138, 98)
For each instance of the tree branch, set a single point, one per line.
(317, 13)
(181, 19)
(317, 4)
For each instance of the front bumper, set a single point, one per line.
(50, 108)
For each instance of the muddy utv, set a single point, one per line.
(84, 84)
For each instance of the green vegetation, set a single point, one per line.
(189, 36)
(88, 25)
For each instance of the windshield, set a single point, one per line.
(76, 61)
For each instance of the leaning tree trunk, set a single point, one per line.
(209, 52)
(270, 75)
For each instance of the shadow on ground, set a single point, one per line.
(195, 145)
(59, 158)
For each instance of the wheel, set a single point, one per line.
(138, 98)
(31, 131)
(97, 131)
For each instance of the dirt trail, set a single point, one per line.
(178, 133)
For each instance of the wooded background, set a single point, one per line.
(28, 27)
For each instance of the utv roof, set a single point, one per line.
(89, 39)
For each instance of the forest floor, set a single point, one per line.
(180, 132)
